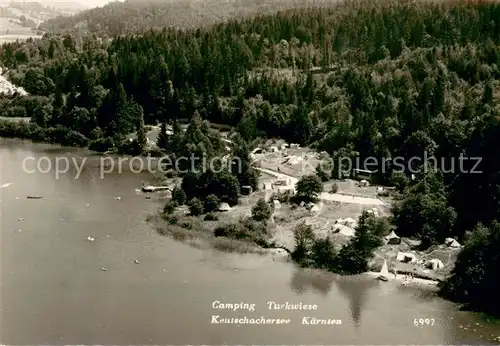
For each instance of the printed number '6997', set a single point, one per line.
(420, 322)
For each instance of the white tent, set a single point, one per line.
(344, 230)
(364, 183)
(286, 190)
(406, 257)
(350, 222)
(224, 207)
(315, 208)
(393, 239)
(277, 204)
(450, 242)
(435, 264)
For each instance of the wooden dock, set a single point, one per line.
(151, 188)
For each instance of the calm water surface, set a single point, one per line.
(54, 291)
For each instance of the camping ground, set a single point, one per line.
(281, 166)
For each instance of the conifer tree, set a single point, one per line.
(141, 133)
(162, 140)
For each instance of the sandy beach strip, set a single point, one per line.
(403, 279)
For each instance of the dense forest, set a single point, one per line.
(137, 16)
(362, 79)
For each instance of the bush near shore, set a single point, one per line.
(242, 236)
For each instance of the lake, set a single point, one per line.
(54, 290)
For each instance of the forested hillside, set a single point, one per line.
(136, 17)
(366, 79)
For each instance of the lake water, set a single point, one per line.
(54, 291)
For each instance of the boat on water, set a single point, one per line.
(34, 197)
(384, 272)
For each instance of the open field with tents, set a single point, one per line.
(334, 215)
(337, 217)
(404, 258)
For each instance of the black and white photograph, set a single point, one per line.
(249, 172)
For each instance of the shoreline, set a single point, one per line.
(225, 244)
(401, 279)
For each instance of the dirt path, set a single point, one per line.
(334, 197)
(293, 181)
(338, 197)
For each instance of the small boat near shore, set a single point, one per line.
(384, 273)
(34, 197)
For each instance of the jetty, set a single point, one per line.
(151, 188)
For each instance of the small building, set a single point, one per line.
(246, 190)
(406, 257)
(267, 186)
(276, 204)
(363, 174)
